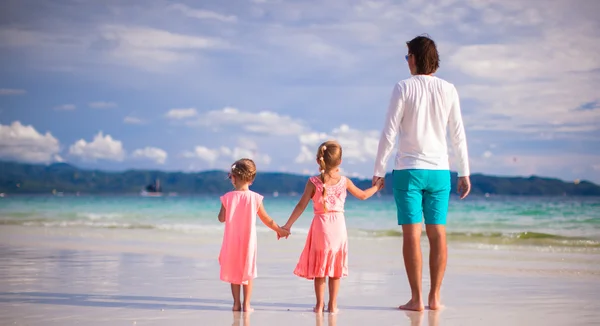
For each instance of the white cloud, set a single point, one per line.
(100, 148)
(11, 91)
(151, 49)
(102, 105)
(203, 153)
(543, 72)
(78, 48)
(358, 146)
(133, 120)
(264, 122)
(150, 38)
(24, 143)
(237, 153)
(152, 153)
(65, 107)
(306, 155)
(178, 114)
(203, 14)
(246, 148)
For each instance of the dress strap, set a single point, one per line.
(316, 181)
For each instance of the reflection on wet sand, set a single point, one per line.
(416, 317)
(238, 317)
(331, 319)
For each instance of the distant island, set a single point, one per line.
(20, 178)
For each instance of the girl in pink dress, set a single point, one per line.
(325, 253)
(238, 251)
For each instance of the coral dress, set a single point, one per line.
(325, 253)
(238, 251)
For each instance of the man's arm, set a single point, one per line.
(389, 132)
(458, 137)
(459, 143)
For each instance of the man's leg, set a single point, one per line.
(413, 262)
(409, 199)
(438, 256)
(435, 209)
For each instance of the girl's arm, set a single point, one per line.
(309, 192)
(268, 221)
(222, 214)
(362, 194)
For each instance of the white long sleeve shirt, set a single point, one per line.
(422, 111)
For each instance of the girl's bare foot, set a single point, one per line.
(318, 309)
(237, 307)
(413, 306)
(248, 308)
(435, 302)
(332, 309)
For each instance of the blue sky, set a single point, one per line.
(194, 85)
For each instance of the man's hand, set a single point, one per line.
(378, 181)
(464, 187)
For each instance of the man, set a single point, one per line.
(422, 110)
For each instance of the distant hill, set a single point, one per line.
(19, 178)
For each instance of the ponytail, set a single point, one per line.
(323, 170)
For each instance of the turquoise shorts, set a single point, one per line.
(421, 193)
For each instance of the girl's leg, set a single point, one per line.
(320, 294)
(334, 286)
(247, 296)
(235, 292)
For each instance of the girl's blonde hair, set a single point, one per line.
(329, 156)
(244, 170)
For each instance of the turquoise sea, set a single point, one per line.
(551, 222)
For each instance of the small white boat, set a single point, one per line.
(145, 193)
(152, 190)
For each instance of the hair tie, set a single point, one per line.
(324, 148)
(233, 167)
(321, 158)
(322, 171)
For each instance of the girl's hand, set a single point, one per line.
(287, 227)
(282, 233)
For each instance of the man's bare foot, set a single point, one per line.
(318, 309)
(413, 306)
(434, 302)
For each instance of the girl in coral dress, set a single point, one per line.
(325, 253)
(239, 209)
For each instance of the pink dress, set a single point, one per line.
(238, 251)
(325, 253)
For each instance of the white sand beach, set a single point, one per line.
(68, 276)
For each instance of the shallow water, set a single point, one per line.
(541, 221)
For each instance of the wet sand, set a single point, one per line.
(67, 276)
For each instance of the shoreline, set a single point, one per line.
(526, 239)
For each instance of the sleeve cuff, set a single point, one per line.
(464, 173)
(379, 173)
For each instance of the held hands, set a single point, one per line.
(283, 232)
(379, 182)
